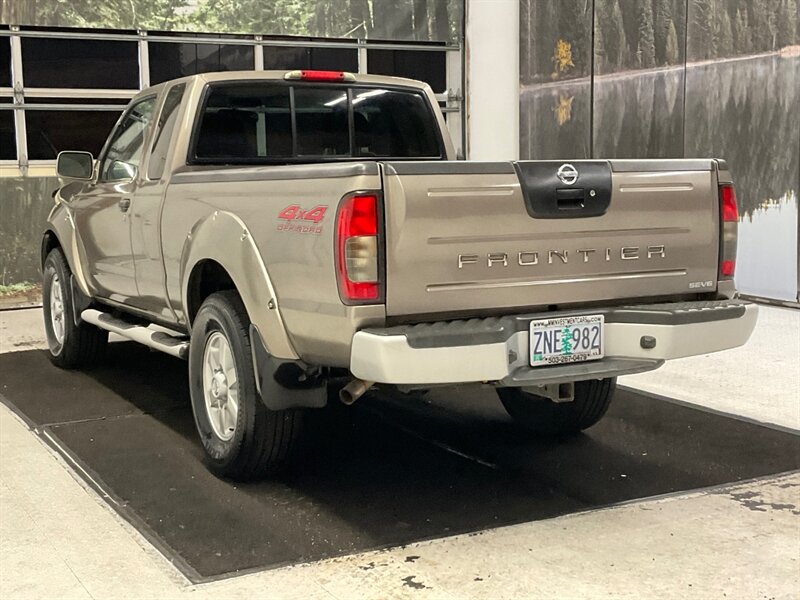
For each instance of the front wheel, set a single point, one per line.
(241, 437)
(71, 346)
(543, 416)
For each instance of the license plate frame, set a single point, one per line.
(545, 348)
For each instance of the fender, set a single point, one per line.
(224, 238)
(61, 225)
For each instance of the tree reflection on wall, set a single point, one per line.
(420, 20)
(669, 78)
(737, 97)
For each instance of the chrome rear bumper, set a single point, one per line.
(496, 349)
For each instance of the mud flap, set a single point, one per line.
(80, 301)
(285, 384)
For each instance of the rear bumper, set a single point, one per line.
(496, 349)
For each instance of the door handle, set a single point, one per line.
(124, 204)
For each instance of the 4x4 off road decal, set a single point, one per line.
(298, 220)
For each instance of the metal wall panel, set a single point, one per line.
(639, 56)
(672, 78)
(555, 78)
(743, 105)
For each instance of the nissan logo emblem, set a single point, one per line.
(567, 174)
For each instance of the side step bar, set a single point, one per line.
(158, 340)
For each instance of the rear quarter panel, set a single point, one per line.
(298, 254)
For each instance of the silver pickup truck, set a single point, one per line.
(283, 230)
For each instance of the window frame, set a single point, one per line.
(29, 110)
(193, 159)
(13, 144)
(155, 44)
(7, 83)
(310, 60)
(133, 65)
(405, 55)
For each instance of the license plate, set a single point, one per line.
(566, 340)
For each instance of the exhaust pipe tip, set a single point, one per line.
(354, 390)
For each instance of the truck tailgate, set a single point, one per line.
(464, 236)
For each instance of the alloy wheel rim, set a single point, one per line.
(57, 309)
(220, 386)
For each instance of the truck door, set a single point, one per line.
(145, 214)
(102, 211)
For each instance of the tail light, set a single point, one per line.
(359, 249)
(729, 227)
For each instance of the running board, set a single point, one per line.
(157, 340)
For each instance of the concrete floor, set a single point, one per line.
(760, 381)
(59, 539)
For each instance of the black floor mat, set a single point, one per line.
(390, 470)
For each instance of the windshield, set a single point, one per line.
(278, 123)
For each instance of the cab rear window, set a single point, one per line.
(252, 123)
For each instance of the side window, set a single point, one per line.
(165, 127)
(124, 154)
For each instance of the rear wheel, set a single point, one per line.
(71, 346)
(543, 416)
(241, 437)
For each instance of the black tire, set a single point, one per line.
(262, 440)
(71, 346)
(545, 417)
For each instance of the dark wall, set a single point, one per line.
(24, 216)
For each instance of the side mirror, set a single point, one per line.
(75, 165)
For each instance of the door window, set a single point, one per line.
(121, 162)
